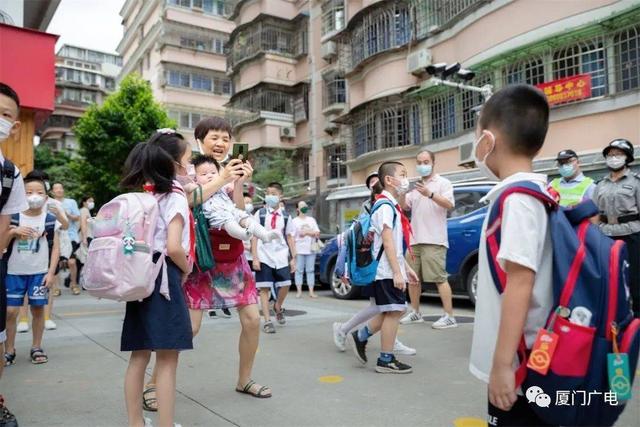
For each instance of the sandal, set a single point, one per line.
(10, 358)
(38, 356)
(149, 399)
(248, 389)
(268, 328)
(75, 290)
(57, 292)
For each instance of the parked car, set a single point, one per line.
(464, 226)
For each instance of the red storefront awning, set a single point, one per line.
(27, 64)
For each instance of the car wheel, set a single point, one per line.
(341, 290)
(472, 283)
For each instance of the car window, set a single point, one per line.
(466, 202)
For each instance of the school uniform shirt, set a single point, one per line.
(383, 216)
(17, 201)
(275, 253)
(429, 219)
(31, 256)
(171, 205)
(303, 243)
(525, 240)
(71, 208)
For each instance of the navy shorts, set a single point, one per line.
(29, 284)
(269, 276)
(386, 296)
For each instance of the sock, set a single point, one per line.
(359, 318)
(26, 320)
(386, 357)
(364, 333)
(237, 231)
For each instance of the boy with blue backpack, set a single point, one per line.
(388, 272)
(552, 313)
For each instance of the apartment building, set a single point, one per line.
(178, 46)
(343, 82)
(83, 77)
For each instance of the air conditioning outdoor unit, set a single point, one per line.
(465, 154)
(419, 60)
(329, 50)
(287, 132)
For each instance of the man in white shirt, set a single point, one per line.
(16, 202)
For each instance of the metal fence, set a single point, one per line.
(335, 92)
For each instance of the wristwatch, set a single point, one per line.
(431, 196)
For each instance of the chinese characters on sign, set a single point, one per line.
(569, 89)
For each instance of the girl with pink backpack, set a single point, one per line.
(160, 322)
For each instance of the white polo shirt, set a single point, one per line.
(525, 240)
(275, 253)
(17, 201)
(383, 216)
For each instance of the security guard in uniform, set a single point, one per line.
(617, 196)
(573, 187)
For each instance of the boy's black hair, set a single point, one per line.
(211, 123)
(277, 186)
(201, 159)
(38, 174)
(521, 113)
(387, 169)
(154, 161)
(35, 178)
(7, 90)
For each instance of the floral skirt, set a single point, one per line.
(227, 285)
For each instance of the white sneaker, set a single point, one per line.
(399, 348)
(50, 325)
(445, 322)
(339, 339)
(411, 317)
(22, 327)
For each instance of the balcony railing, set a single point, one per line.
(435, 15)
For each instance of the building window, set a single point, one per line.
(199, 82)
(332, 16)
(335, 91)
(443, 116)
(530, 71)
(185, 119)
(213, 7)
(336, 156)
(627, 51)
(583, 58)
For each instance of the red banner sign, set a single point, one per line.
(568, 89)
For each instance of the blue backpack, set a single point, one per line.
(590, 276)
(361, 261)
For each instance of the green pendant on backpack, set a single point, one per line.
(619, 378)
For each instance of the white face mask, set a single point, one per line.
(35, 201)
(615, 163)
(91, 205)
(482, 166)
(191, 171)
(5, 128)
(403, 187)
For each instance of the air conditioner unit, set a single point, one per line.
(465, 153)
(287, 132)
(419, 60)
(329, 50)
(330, 127)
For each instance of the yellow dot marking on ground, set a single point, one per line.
(331, 379)
(469, 422)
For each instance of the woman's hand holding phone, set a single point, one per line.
(232, 171)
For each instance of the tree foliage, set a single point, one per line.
(61, 168)
(107, 133)
(273, 166)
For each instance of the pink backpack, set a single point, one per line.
(120, 259)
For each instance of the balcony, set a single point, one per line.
(334, 99)
(267, 35)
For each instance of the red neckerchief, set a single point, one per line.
(407, 231)
(274, 219)
(150, 188)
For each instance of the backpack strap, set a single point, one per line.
(378, 204)
(263, 216)
(493, 238)
(8, 176)
(15, 222)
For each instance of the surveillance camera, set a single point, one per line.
(451, 70)
(434, 69)
(465, 74)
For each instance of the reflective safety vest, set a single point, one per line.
(570, 196)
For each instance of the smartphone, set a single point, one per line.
(240, 149)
